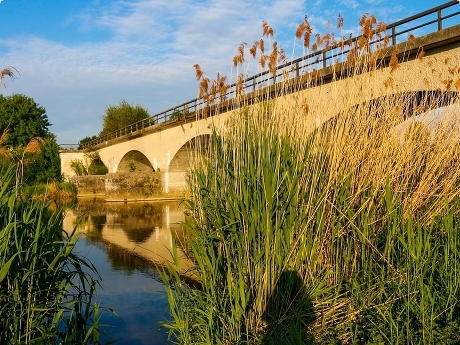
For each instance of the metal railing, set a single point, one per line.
(69, 147)
(320, 59)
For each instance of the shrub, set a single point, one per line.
(95, 167)
(78, 167)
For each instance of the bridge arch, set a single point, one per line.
(134, 161)
(192, 149)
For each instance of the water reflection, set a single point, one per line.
(126, 243)
(129, 231)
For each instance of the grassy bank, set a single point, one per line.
(45, 290)
(347, 233)
(55, 191)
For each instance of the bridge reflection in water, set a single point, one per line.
(126, 242)
(142, 230)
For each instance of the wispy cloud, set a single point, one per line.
(146, 48)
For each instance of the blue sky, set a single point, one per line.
(76, 57)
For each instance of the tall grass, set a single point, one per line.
(45, 294)
(344, 234)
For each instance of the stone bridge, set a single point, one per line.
(165, 142)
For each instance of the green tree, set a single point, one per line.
(45, 165)
(84, 141)
(25, 119)
(97, 166)
(122, 115)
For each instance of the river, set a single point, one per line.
(125, 242)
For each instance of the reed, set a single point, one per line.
(343, 233)
(296, 239)
(46, 289)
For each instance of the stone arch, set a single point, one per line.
(134, 161)
(192, 149)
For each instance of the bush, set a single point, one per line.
(96, 166)
(78, 167)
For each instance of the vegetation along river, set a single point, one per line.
(126, 242)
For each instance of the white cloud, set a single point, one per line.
(148, 55)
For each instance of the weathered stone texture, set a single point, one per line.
(132, 186)
(90, 185)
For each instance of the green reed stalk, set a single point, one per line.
(45, 294)
(288, 252)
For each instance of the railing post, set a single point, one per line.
(439, 20)
(324, 59)
(393, 35)
(297, 70)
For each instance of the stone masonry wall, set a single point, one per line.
(127, 186)
(90, 185)
(132, 186)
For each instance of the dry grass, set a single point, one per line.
(33, 146)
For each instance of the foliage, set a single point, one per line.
(178, 114)
(56, 191)
(97, 166)
(45, 292)
(132, 165)
(122, 115)
(85, 140)
(25, 119)
(78, 167)
(27, 141)
(45, 165)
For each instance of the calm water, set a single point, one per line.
(124, 242)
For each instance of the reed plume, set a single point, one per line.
(267, 31)
(8, 72)
(339, 21)
(4, 151)
(198, 71)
